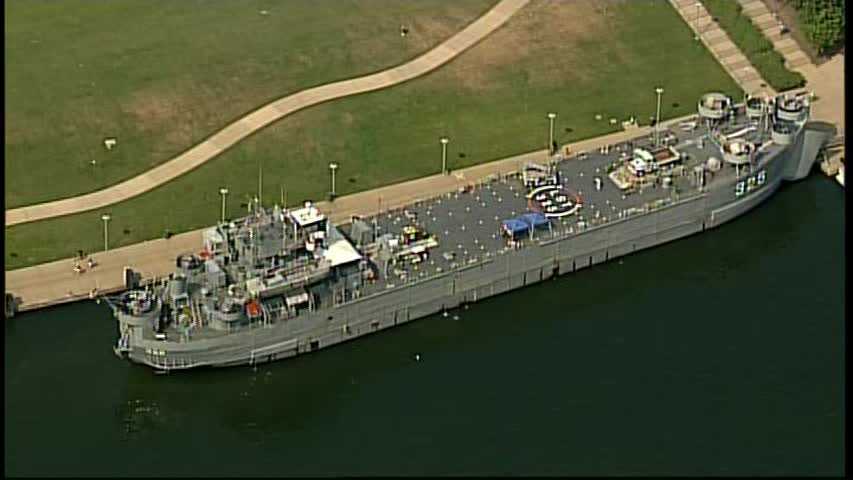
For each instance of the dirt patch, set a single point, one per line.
(540, 29)
(304, 60)
(14, 134)
(173, 117)
(428, 31)
(152, 111)
(149, 109)
(424, 31)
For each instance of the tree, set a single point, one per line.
(823, 22)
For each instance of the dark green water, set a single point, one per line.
(718, 354)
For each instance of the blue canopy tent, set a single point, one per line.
(524, 224)
(534, 219)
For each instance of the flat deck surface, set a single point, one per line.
(467, 225)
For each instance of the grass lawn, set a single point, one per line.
(754, 45)
(576, 58)
(160, 75)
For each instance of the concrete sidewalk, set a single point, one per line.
(260, 118)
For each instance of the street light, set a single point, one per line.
(332, 167)
(223, 191)
(444, 141)
(696, 35)
(106, 218)
(551, 117)
(659, 91)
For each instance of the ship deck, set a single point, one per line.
(467, 223)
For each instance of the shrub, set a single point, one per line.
(823, 22)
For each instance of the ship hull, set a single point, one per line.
(499, 274)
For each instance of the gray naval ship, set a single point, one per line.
(281, 282)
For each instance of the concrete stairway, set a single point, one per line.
(771, 27)
(721, 46)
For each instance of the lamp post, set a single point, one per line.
(223, 191)
(332, 167)
(696, 35)
(659, 91)
(551, 117)
(444, 141)
(106, 218)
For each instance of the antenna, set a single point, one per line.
(375, 217)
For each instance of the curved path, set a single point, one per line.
(260, 118)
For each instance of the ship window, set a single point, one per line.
(739, 189)
(762, 176)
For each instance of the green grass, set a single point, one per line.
(755, 46)
(161, 75)
(491, 102)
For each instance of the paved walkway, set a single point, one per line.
(56, 282)
(721, 46)
(260, 118)
(827, 83)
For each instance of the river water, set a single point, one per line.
(718, 354)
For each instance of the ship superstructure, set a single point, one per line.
(280, 282)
